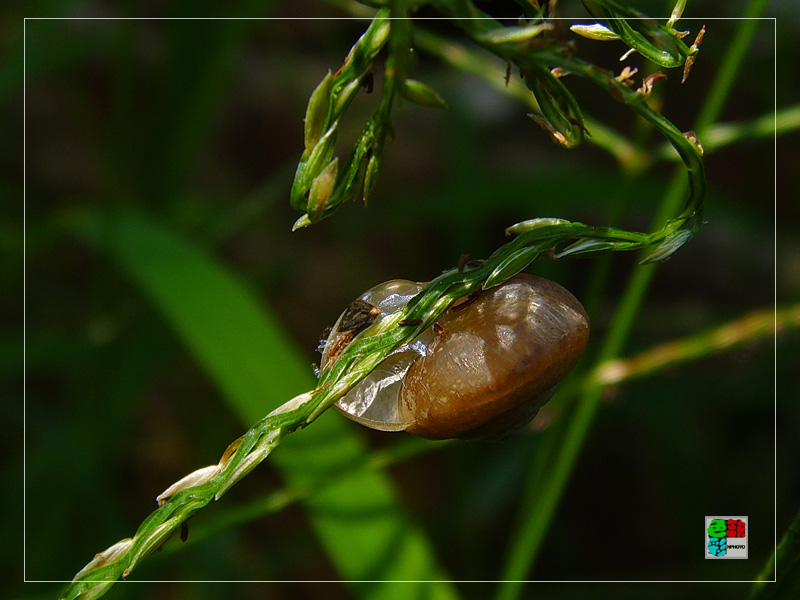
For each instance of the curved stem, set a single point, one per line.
(536, 524)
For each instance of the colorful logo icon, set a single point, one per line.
(726, 537)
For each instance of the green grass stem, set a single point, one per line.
(533, 529)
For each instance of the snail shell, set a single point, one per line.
(484, 369)
(372, 306)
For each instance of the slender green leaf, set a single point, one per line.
(359, 520)
(783, 566)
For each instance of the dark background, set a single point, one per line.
(198, 125)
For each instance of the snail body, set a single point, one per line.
(482, 371)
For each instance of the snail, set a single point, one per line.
(482, 371)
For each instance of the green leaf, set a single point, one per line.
(422, 94)
(317, 112)
(783, 566)
(358, 518)
(561, 115)
(595, 31)
(513, 264)
(321, 190)
(588, 247)
(668, 246)
(539, 223)
(505, 35)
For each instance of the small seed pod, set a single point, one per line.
(482, 372)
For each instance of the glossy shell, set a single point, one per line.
(373, 305)
(484, 372)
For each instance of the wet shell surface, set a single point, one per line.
(482, 371)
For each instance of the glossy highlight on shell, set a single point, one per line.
(482, 371)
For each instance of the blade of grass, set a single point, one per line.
(535, 523)
(783, 566)
(359, 519)
(721, 135)
(761, 323)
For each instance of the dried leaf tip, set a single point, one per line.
(626, 76)
(694, 48)
(692, 137)
(648, 83)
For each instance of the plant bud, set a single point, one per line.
(422, 94)
(321, 191)
(317, 113)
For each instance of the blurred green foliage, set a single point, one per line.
(194, 126)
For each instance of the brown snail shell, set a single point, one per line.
(482, 371)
